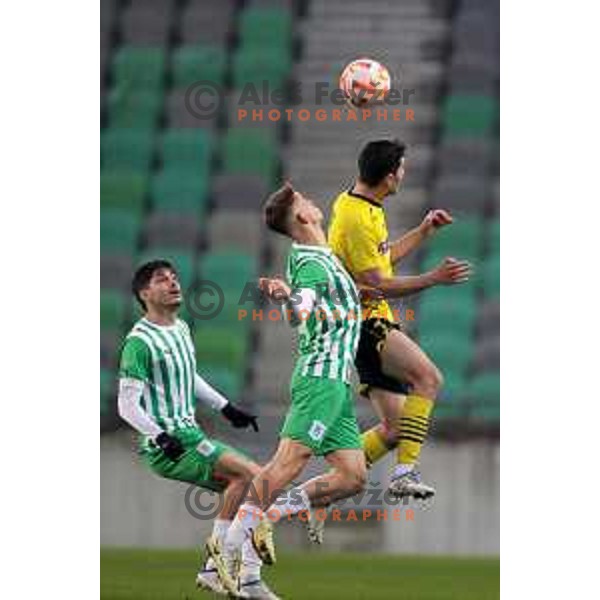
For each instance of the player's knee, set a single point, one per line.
(428, 381)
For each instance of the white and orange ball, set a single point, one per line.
(364, 82)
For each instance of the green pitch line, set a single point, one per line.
(169, 575)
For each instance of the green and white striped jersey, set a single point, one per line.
(328, 336)
(164, 359)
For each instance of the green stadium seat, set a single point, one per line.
(484, 395)
(463, 238)
(232, 269)
(452, 402)
(265, 27)
(119, 232)
(227, 381)
(452, 310)
(198, 63)
(452, 353)
(219, 346)
(470, 115)
(187, 148)
(126, 149)
(113, 310)
(123, 190)
(180, 190)
(494, 236)
(134, 110)
(139, 69)
(107, 390)
(261, 65)
(249, 152)
(183, 259)
(490, 278)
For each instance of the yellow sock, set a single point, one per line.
(413, 427)
(374, 445)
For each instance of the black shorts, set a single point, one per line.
(373, 333)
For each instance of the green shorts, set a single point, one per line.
(195, 466)
(321, 415)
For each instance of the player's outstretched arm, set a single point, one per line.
(410, 241)
(215, 400)
(449, 272)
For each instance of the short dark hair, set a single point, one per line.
(378, 159)
(144, 274)
(276, 209)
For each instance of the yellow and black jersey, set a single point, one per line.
(358, 235)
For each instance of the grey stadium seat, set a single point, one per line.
(141, 26)
(468, 155)
(246, 192)
(462, 194)
(109, 346)
(179, 116)
(206, 22)
(239, 228)
(488, 318)
(116, 272)
(487, 355)
(170, 230)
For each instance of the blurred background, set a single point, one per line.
(190, 189)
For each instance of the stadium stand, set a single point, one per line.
(189, 189)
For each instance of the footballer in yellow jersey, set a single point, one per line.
(396, 375)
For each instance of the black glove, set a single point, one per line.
(238, 418)
(170, 445)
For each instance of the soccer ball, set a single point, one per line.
(365, 82)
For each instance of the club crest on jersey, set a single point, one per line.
(384, 247)
(317, 430)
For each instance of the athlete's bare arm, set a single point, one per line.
(434, 220)
(449, 272)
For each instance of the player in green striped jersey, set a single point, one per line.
(321, 420)
(158, 391)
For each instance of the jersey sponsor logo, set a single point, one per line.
(206, 448)
(384, 247)
(317, 431)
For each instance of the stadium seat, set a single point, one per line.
(451, 310)
(490, 277)
(261, 65)
(187, 148)
(184, 261)
(451, 352)
(227, 381)
(484, 395)
(265, 27)
(134, 110)
(116, 270)
(185, 111)
(126, 149)
(107, 390)
(113, 310)
(494, 236)
(248, 151)
(244, 192)
(139, 69)
(109, 348)
(467, 156)
(179, 190)
(488, 319)
(171, 230)
(486, 356)
(238, 229)
(218, 346)
(206, 21)
(123, 190)
(198, 63)
(452, 402)
(233, 267)
(470, 115)
(146, 25)
(462, 195)
(119, 232)
(463, 238)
